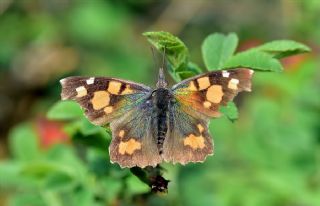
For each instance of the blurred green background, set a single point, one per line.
(270, 156)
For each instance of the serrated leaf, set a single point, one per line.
(283, 48)
(231, 111)
(217, 49)
(23, 142)
(65, 110)
(255, 60)
(176, 51)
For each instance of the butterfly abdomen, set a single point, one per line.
(161, 97)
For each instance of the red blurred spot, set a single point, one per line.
(248, 44)
(293, 63)
(50, 133)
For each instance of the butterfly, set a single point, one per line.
(150, 126)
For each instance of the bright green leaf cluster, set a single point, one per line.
(176, 52)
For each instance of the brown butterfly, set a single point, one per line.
(154, 125)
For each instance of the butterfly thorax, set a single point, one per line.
(161, 98)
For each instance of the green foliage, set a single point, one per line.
(176, 52)
(65, 110)
(217, 49)
(283, 48)
(99, 21)
(256, 60)
(230, 111)
(23, 142)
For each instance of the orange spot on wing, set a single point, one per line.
(100, 100)
(200, 127)
(108, 110)
(207, 104)
(129, 147)
(215, 94)
(121, 133)
(114, 87)
(127, 90)
(194, 142)
(192, 87)
(203, 82)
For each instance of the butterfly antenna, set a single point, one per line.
(162, 83)
(154, 57)
(164, 57)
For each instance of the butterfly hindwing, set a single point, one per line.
(134, 142)
(188, 139)
(103, 99)
(206, 92)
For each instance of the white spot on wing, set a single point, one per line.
(79, 89)
(225, 74)
(82, 91)
(62, 81)
(234, 81)
(90, 81)
(233, 84)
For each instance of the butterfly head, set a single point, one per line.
(162, 83)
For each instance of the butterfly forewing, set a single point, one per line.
(206, 92)
(103, 99)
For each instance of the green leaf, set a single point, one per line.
(23, 142)
(255, 60)
(283, 48)
(111, 188)
(87, 128)
(217, 49)
(44, 168)
(58, 181)
(231, 111)
(27, 198)
(65, 110)
(175, 50)
(11, 170)
(135, 186)
(84, 196)
(101, 20)
(191, 70)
